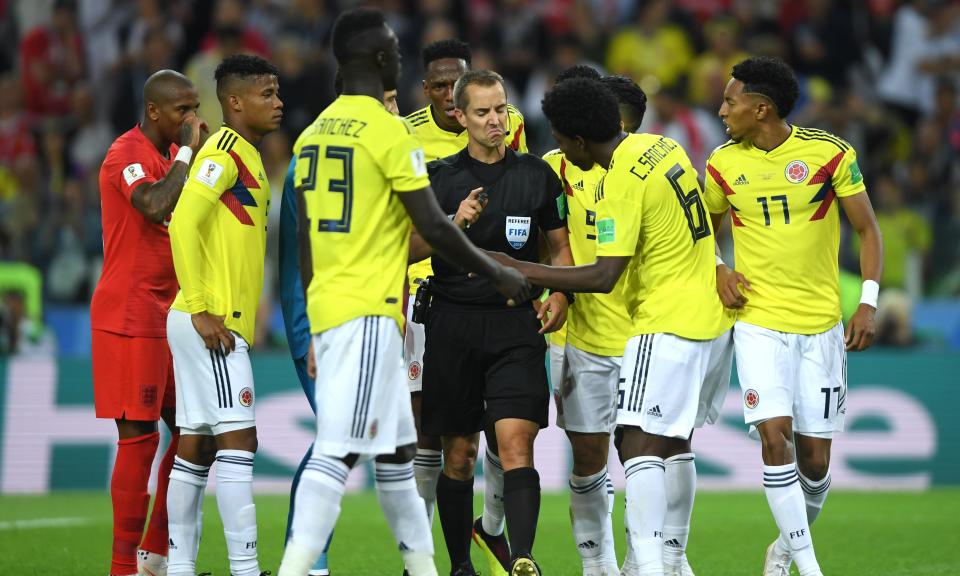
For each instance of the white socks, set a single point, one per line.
(646, 510)
(493, 515)
(681, 487)
(427, 465)
(590, 514)
(397, 493)
(318, 507)
(814, 495)
(235, 502)
(184, 503)
(789, 510)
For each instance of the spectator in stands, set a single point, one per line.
(823, 42)
(711, 69)
(696, 130)
(651, 46)
(201, 66)
(521, 40)
(907, 241)
(307, 89)
(91, 136)
(52, 61)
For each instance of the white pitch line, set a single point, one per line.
(43, 523)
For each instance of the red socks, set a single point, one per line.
(156, 539)
(128, 490)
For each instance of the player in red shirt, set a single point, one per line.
(140, 182)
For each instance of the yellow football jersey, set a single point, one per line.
(218, 234)
(650, 208)
(439, 143)
(350, 162)
(596, 323)
(786, 224)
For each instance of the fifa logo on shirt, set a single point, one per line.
(517, 231)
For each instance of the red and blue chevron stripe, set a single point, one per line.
(238, 195)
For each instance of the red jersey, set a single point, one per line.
(138, 282)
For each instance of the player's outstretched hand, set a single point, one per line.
(861, 329)
(728, 287)
(190, 131)
(215, 335)
(469, 211)
(554, 309)
(512, 284)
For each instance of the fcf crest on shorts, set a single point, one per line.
(373, 430)
(246, 397)
(518, 230)
(796, 171)
(414, 370)
(751, 398)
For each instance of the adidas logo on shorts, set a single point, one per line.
(655, 411)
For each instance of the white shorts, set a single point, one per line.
(556, 356)
(587, 393)
(660, 383)
(216, 429)
(717, 381)
(363, 405)
(803, 376)
(212, 387)
(413, 343)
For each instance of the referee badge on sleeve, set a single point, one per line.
(518, 230)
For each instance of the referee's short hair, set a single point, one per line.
(582, 107)
(474, 78)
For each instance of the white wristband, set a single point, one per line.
(869, 293)
(185, 154)
(720, 261)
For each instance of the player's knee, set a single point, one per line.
(589, 453)
(133, 428)
(460, 460)
(814, 465)
(777, 447)
(516, 451)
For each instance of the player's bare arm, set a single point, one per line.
(155, 200)
(467, 214)
(729, 281)
(554, 308)
(600, 276)
(861, 329)
(451, 244)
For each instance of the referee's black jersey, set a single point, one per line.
(524, 197)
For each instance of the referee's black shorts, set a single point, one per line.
(480, 366)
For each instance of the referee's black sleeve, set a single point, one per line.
(553, 211)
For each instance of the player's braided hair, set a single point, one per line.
(772, 78)
(348, 26)
(582, 107)
(628, 94)
(448, 48)
(577, 71)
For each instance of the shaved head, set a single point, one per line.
(165, 86)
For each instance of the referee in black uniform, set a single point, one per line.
(484, 360)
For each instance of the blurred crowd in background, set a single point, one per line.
(882, 74)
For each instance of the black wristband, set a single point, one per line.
(570, 297)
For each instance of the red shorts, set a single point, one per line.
(132, 376)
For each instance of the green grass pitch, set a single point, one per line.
(859, 534)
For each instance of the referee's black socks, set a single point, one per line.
(521, 501)
(455, 508)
